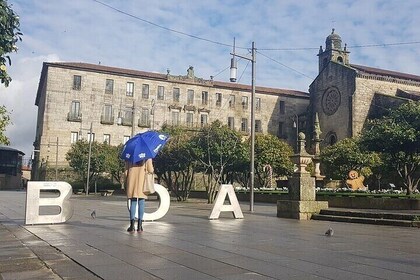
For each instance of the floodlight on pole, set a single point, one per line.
(233, 66)
(233, 71)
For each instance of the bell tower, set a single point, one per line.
(333, 51)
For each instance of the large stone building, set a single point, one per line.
(76, 100)
(116, 103)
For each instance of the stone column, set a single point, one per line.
(317, 151)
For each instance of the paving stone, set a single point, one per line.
(186, 245)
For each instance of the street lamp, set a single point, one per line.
(233, 72)
(89, 156)
(152, 112)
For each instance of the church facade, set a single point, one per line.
(345, 95)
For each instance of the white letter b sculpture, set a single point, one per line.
(34, 201)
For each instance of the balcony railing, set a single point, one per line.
(74, 117)
(127, 121)
(144, 123)
(106, 119)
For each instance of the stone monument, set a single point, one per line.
(319, 179)
(301, 203)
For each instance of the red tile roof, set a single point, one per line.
(135, 73)
(388, 73)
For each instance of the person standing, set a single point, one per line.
(135, 175)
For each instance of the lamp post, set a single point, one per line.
(132, 119)
(89, 156)
(296, 125)
(56, 161)
(152, 112)
(233, 72)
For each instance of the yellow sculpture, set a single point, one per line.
(355, 181)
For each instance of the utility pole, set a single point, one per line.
(233, 71)
(56, 161)
(89, 156)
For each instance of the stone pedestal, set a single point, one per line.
(301, 203)
(301, 210)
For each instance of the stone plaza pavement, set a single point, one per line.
(186, 245)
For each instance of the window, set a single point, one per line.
(175, 118)
(74, 137)
(244, 102)
(107, 116)
(190, 97)
(107, 139)
(204, 98)
(258, 104)
(231, 101)
(128, 116)
(231, 123)
(161, 93)
(280, 132)
(190, 119)
(109, 86)
(258, 126)
(282, 108)
(90, 137)
(77, 82)
(144, 118)
(218, 99)
(244, 125)
(145, 91)
(130, 89)
(125, 139)
(176, 94)
(203, 119)
(75, 111)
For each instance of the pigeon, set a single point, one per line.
(93, 214)
(329, 232)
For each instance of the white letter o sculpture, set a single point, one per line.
(164, 203)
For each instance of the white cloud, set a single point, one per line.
(83, 30)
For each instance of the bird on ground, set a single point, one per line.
(329, 232)
(93, 214)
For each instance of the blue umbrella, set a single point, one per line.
(143, 146)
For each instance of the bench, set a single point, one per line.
(107, 192)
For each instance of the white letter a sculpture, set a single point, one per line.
(219, 205)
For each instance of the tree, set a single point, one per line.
(271, 153)
(396, 136)
(113, 164)
(337, 160)
(174, 164)
(216, 148)
(9, 35)
(4, 122)
(78, 157)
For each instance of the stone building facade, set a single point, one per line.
(346, 95)
(76, 100)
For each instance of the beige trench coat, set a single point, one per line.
(135, 174)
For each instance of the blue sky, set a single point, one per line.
(89, 31)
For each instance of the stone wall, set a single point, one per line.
(56, 94)
(366, 87)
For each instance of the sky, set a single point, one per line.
(158, 35)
